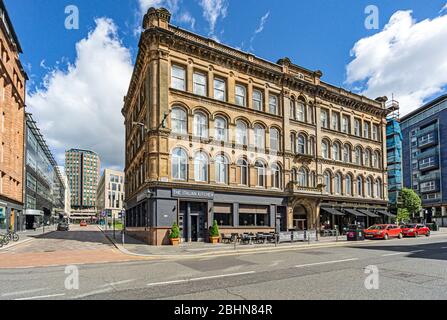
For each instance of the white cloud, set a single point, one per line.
(262, 23)
(81, 107)
(259, 29)
(171, 5)
(444, 9)
(212, 11)
(187, 18)
(407, 59)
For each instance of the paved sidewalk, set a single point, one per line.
(28, 235)
(136, 247)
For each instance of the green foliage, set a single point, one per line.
(175, 232)
(402, 215)
(411, 201)
(214, 231)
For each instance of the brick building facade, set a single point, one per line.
(12, 123)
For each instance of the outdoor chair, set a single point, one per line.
(226, 239)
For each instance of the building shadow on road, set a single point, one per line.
(434, 251)
(78, 236)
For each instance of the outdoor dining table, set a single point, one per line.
(248, 237)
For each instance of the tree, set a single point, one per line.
(175, 232)
(402, 215)
(411, 201)
(214, 231)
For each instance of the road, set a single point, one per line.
(406, 269)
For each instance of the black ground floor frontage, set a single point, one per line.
(150, 216)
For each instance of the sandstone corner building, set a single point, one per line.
(216, 134)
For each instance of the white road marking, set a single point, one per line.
(93, 293)
(112, 284)
(18, 293)
(223, 276)
(444, 248)
(326, 262)
(393, 254)
(401, 253)
(42, 297)
(166, 282)
(199, 279)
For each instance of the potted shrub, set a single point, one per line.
(214, 233)
(174, 236)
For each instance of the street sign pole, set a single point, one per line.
(113, 220)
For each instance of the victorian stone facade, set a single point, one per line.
(216, 134)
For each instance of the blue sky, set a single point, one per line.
(317, 34)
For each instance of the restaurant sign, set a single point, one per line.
(193, 194)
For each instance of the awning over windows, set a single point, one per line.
(253, 209)
(29, 212)
(386, 213)
(355, 213)
(369, 213)
(332, 211)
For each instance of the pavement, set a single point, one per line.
(78, 246)
(407, 269)
(135, 247)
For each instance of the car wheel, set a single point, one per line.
(428, 234)
(400, 236)
(386, 237)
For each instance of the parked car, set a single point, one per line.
(383, 231)
(83, 223)
(415, 230)
(63, 226)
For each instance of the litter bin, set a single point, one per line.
(355, 234)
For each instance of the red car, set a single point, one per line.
(383, 231)
(83, 224)
(415, 230)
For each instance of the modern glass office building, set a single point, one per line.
(425, 157)
(45, 190)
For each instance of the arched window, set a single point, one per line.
(310, 114)
(358, 156)
(220, 127)
(293, 142)
(259, 137)
(243, 171)
(201, 167)
(312, 146)
(303, 178)
(294, 175)
(260, 174)
(347, 154)
(301, 111)
(367, 161)
(200, 125)
(348, 185)
(327, 182)
(276, 176)
(376, 160)
(179, 164)
(221, 166)
(360, 186)
(179, 121)
(378, 189)
(369, 187)
(292, 109)
(338, 183)
(241, 133)
(302, 147)
(336, 151)
(274, 139)
(313, 179)
(325, 149)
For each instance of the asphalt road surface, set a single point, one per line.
(402, 269)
